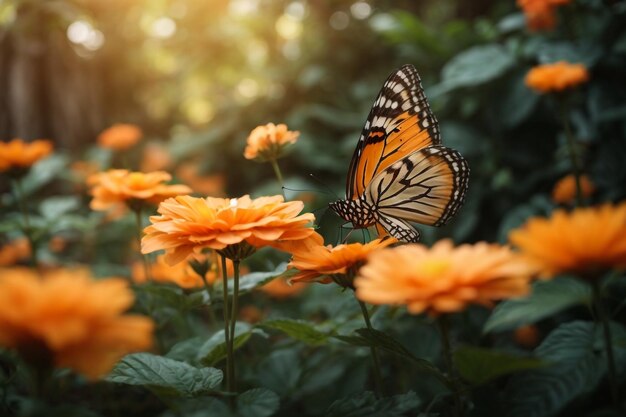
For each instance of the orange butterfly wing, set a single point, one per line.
(399, 124)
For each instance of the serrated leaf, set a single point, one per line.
(297, 329)
(367, 405)
(546, 299)
(165, 376)
(479, 365)
(375, 338)
(257, 402)
(214, 349)
(186, 350)
(578, 367)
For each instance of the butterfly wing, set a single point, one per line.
(427, 187)
(399, 123)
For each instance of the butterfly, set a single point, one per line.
(400, 172)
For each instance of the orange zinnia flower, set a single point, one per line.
(68, 320)
(556, 77)
(14, 251)
(181, 274)
(564, 191)
(188, 223)
(120, 137)
(212, 185)
(325, 264)
(117, 187)
(540, 14)
(269, 142)
(279, 288)
(587, 241)
(18, 155)
(443, 279)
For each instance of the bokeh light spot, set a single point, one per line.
(361, 10)
(339, 20)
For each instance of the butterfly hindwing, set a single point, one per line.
(426, 187)
(399, 123)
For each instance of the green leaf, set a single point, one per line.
(577, 369)
(518, 101)
(479, 365)
(367, 405)
(297, 329)
(43, 172)
(165, 376)
(251, 281)
(546, 299)
(257, 402)
(476, 66)
(375, 338)
(214, 349)
(186, 350)
(54, 207)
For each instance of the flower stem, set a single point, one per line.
(211, 292)
(27, 230)
(378, 380)
(604, 318)
(226, 325)
(144, 258)
(279, 175)
(233, 322)
(447, 356)
(571, 145)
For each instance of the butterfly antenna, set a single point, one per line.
(328, 189)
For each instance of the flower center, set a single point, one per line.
(434, 267)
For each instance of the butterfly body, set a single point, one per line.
(400, 172)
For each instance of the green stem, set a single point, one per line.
(604, 318)
(211, 292)
(378, 380)
(447, 356)
(233, 322)
(27, 230)
(144, 258)
(571, 145)
(226, 325)
(279, 175)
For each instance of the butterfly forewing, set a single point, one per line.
(427, 187)
(399, 123)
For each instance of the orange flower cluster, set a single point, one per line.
(443, 279)
(181, 274)
(541, 14)
(20, 155)
(269, 142)
(587, 241)
(68, 320)
(564, 191)
(556, 77)
(120, 137)
(188, 224)
(14, 251)
(116, 187)
(279, 288)
(318, 263)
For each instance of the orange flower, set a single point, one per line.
(325, 264)
(155, 158)
(279, 288)
(527, 336)
(587, 241)
(556, 77)
(212, 185)
(540, 14)
(116, 187)
(15, 251)
(188, 223)
(19, 155)
(269, 142)
(181, 274)
(120, 137)
(251, 314)
(68, 320)
(564, 191)
(443, 279)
